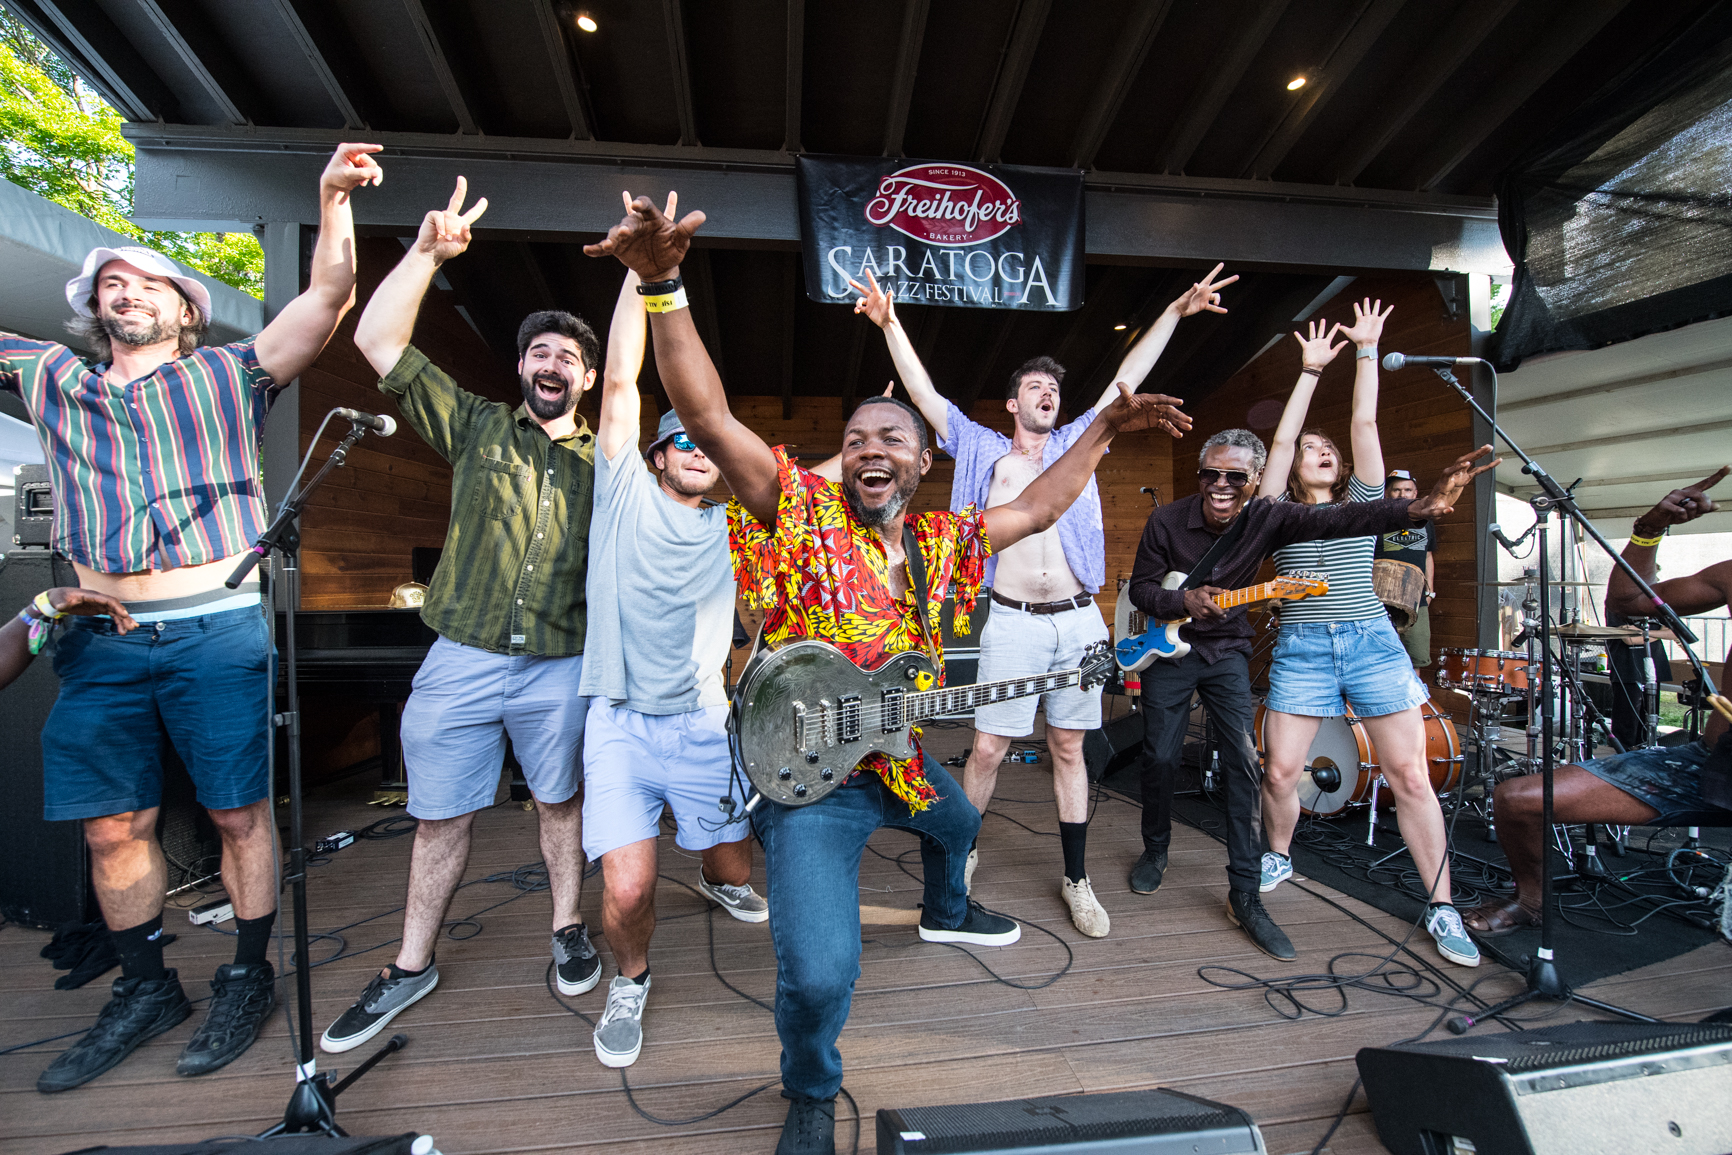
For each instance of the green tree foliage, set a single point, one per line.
(62, 141)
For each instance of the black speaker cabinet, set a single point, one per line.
(1578, 1089)
(1122, 1123)
(1114, 746)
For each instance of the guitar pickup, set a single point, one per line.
(848, 718)
(890, 710)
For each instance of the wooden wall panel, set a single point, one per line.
(1423, 426)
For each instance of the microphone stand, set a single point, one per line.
(1543, 979)
(312, 1106)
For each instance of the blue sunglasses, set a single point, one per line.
(683, 443)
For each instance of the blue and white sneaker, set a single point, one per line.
(1444, 923)
(1277, 868)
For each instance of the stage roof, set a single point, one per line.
(1179, 112)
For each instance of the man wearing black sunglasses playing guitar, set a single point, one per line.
(841, 565)
(1219, 538)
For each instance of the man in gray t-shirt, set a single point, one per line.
(661, 600)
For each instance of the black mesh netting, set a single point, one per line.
(1621, 224)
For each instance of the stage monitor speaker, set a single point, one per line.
(1114, 746)
(1581, 1088)
(33, 507)
(1123, 1122)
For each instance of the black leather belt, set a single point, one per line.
(1076, 603)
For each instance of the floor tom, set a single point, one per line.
(1341, 764)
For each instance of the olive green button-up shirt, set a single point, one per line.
(511, 579)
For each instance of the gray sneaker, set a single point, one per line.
(576, 965)
(619, 1035)
(742, 902)
(383, 1000)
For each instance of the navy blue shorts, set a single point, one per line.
(197, 682)
(1667, 778)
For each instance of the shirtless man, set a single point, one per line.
(1043, 586)
(1660, 786)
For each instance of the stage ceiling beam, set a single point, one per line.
(564, 72)
(317, 52)
(1229, 69)
(1115, 83)
(902, 83)
(1013, 65)
(453, 88)
(222, 93)
(207, 179)
(112, 63)
(794, 90)
(680, 64)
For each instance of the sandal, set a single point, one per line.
(1495, 919)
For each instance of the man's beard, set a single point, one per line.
(1034, 421)
(675, 479)
(139, 334)
(543, 408)
(886, 513)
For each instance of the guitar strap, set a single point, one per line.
(1205, 567)
(917, 571)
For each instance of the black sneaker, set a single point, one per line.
(242, 997)
(1245, 909)
(979, 927)
(810, 1128)
(383, 1000)
(138, 1011)
(577, 966)
(1147, 873)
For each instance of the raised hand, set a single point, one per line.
(1131, 411)
(1204, 295)
(878, 305)
(1681, 505)
(1314, 349)
(1441, 500)
(350, 167)
(647, 240)
(1367, 327)
(445, 232)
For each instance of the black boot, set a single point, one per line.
(1147, 873)
(138, 1011)
(1245, 908)
(241, 999)
(810, 1128)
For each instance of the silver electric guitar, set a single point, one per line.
(805, 715)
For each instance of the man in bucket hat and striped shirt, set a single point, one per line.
(153, 450)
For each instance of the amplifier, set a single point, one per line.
(1114, 746)
(1122, 1122)
(1581, 1088)
(33, 508)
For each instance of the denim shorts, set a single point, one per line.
(464, 702)
(202, 683)
(1668, 778)
(1318, 664)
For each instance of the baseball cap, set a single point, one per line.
(666, 430)
(78, 289)
(1398, 475)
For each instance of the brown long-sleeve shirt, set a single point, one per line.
(1176, 538)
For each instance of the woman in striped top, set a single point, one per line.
(1341, 646)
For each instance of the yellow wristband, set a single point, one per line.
(1646, 542)
(46, 607)
(667, 302)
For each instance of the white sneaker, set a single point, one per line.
(1085, 909)
(968, 871)
(741, 901)
(619, 1035)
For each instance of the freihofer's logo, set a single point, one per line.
(944, 204)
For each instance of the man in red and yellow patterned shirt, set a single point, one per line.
(827, 561)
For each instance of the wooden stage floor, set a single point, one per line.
(494, 1064)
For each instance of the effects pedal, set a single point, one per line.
(335, 841)
(216, 910)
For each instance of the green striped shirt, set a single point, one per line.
(511, 579)
(1346, 561)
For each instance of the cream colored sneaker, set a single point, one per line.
(1085, 909)
(968, 871)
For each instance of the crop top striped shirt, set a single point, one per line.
(1346, 561)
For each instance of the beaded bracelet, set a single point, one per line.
(1318, 373)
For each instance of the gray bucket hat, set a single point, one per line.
(666, 430)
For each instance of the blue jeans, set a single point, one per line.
(812, 864)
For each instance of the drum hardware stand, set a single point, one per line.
(312, 1106)
(1543, 977)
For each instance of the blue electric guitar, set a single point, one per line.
(1141, 641)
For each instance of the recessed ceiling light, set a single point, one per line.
(1293, 85)
(1118, 328)
(586, 22)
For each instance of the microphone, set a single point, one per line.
(378, 423)
(1395, 362)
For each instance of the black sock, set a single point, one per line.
(398, 972)
(1074, 836)
(640, 980)
(253, 939)
(140, 949)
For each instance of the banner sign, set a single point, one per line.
(939, 233)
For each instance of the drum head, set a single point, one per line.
(1331, 776)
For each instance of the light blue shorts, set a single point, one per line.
(1318, 664)
(634, 764)
(465, 700)
(1018, 644)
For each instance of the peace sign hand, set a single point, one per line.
(878, 305)
(1204, 296)
(445, 232)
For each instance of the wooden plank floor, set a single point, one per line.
(495, 1064)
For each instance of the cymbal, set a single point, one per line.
(1634, 638)
(1535, 582)
(1589, 632)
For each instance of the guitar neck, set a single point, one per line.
(1261, 592)
(959, 699)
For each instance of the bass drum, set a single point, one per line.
(1342, 764)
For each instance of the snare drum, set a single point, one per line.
(1342, 764)
(1500, 673)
